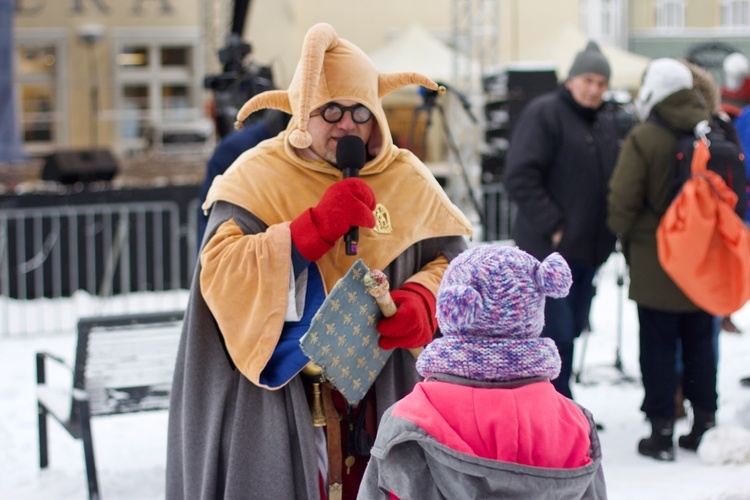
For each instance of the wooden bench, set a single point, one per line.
(123, 364)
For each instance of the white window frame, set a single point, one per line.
(735, 13)
(669, 14)
(605, 20)
(44, 38)
(154, 76)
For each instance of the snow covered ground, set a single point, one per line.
(130, 449)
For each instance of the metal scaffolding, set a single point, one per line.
(476, 41)
(217, 24)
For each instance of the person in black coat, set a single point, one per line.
(562, 152)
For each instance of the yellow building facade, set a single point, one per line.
(101, 72)
(129, 74)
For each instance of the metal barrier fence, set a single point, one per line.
(61, 262)
(499, 213)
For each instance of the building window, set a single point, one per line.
(39, 88)
(37, 115)
(133, 56)
(176, 57)
(734, 13)
(158, 81)
(670, 13)
(134, 124)
(175, 100)
(604, 20)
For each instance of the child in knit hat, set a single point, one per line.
(486, 422)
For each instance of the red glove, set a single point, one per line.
(414, 323)
(347, 203)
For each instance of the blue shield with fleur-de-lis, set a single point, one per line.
(343, 339)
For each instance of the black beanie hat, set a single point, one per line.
(590, 60)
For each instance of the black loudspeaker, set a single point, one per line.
(84, 165)
(523, 86)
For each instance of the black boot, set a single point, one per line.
(702, 421)
(659, 445)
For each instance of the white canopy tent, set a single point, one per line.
(417, 50)
(560, 50)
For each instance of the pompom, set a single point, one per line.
(554, 277)
(458, 307)
(300, 139)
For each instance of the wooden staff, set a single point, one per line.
(377, 285)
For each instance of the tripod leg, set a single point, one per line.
(579, 373)
(621, 266)
(464, 174)
(620, 284)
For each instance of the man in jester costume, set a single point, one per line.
(240, 421)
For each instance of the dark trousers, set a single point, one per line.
(566, 318)
(660, 332)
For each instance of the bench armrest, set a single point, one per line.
(41, 356)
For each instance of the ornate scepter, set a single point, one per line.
(377, 285)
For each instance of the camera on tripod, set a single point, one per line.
(238, 82)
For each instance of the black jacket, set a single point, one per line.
(560, 160)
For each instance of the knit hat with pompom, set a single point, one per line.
(490, 310)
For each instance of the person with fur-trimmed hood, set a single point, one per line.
(486, 422)
(240, 424)
(640, 192)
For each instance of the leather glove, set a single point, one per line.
(347, 203)
(414, 323)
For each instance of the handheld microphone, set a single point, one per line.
(350, 158)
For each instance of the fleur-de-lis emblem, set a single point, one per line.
(363, 309)
(335, 306)
(352, 297)
(314, 337)
(357, 383)
(326, 350)
(347, 319)
(361, 362)
(357, 273)
(330, 328)
(371, 319)
(357, 330)
(350, 351)
(335, 361)
(365, 340)
(373, 374)
(342, 340)
(345, 372)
